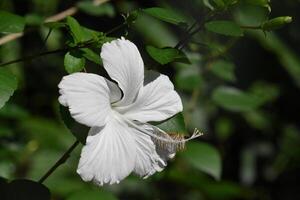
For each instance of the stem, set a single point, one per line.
(57, 17)
(185, 40)
(43, 54)
(61, 161)
(115, 28)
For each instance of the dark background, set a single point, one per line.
(259, 148)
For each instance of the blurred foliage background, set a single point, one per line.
(239, 85)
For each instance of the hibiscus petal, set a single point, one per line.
(115, 92)
(151, 157)
(109, 154)
(87, 96)
(124, 64)
(156, 101)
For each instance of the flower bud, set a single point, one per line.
(276, 23)
(132, 16)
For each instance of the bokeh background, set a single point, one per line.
(241, 92)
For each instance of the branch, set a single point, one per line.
(61, 161)
(46, 53)
(57, 17)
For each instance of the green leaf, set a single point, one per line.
(92, 195)
(166, 15)
(96, 10)
(78, 130)
(74, 62)
(55, 25)
(167, 55)
(78, 33)
(175, 124)
(228, 28)
(235, 100)
(91, 55)
(262, 3)
(13, 111)
(224, 70)
(27, 189)
(188, 79)
(34, 19)
(8, 84)
(11, 23)
(204, 157)
(268, 92)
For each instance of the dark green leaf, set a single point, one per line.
(262, 3)
(166, 15)
(78, 130)
(167, 55)
(228, 28)
(91, 55)
(13, 111)
(204, 157)
(224, 128)
(8, 84)
(92, 195)
(188, 79)
(235, 100)
(96, 10)
(175, 125)
(266, 91)
(11, 23)
(55, 25)
(74, 62)
(26, 189)
(224, 70)
(34, 19)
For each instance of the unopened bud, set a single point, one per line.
(132, 16)
(276, 23)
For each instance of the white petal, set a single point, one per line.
(156, 101)
(109, 154)
(151, 157)
(87, 96)
(124, 64)
(115, 92)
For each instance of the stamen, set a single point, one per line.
(171, 142)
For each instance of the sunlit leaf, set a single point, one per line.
(8, 84)
(166, 55)
(204, 157)
(166, 15)
(11, 23)
(228, 28)
(74, 62)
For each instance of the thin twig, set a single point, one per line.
(57, 17)
(191, 33)
(45, 53)
(61, 161)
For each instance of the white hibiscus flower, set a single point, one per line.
(120, 140)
